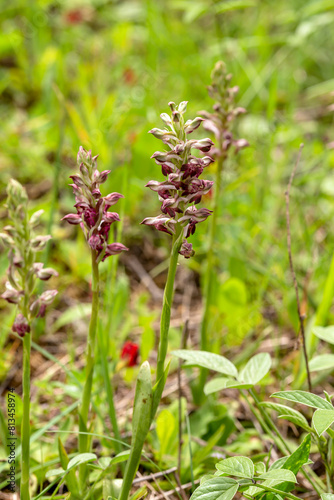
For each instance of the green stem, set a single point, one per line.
(110, 392)
(208, 278)
(167, 304)
(90, 361)
(138, 443)
(25, 432)
(273, 490)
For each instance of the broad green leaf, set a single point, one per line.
(206, 477)
(292, 463)
(304, 398)
(219, 488)
(325, 333)
(208, 360)
(237, 466)
(300, 456)
(260, 468)
(221, 383)
(327, 496)
(54, 472)
(322, 419)
(289, 414)
(82, 458)
(279, 463)
(296, 420)
(257, 368)
(279, 475)
(322, 362)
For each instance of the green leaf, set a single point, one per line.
(304, 398)
(54, 472)
(82, 458)
(237, 466)
(208, 360)
(221, 383)
(257, 368)
(322, 362)
(327, 496)
(260, 468)
(322, 419)
(166, 426)
(289, 414)
(300, 456)
(141, 419)
(325, 333)
(106, 462)
(219, 488)
(279, 475)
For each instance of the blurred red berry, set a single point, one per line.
(130, 352)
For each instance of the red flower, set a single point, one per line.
(130, 352)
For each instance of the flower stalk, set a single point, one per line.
(23, 274)
(219, 122)
(179, 194)
(95, 220)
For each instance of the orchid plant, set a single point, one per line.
(219, 122)
(179, 194)
(23, 275)
(95, 220)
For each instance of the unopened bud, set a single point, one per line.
(39, 243)
(6, 240)
(35, 218)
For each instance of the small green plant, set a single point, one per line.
(245, 381)
(23, 275)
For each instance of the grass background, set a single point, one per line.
(98, 74)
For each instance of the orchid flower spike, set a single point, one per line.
(183, 189)
(23, 270)
(92, 208)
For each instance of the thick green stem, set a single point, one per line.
(167, 305)
(208, 279)
(138, 443)
(90, 361)
(25, 432)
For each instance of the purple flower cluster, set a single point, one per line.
(219, 122)
(23, 271)
(182, 189)
(92, 208)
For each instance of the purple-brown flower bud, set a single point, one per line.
(48, 297)
(186, 249)
(21, 325)
(39, 243)
(43, 273)
(72, 218)
(114, 249)
(112, 198)
(12, 295)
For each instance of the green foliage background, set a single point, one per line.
(99, 73)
